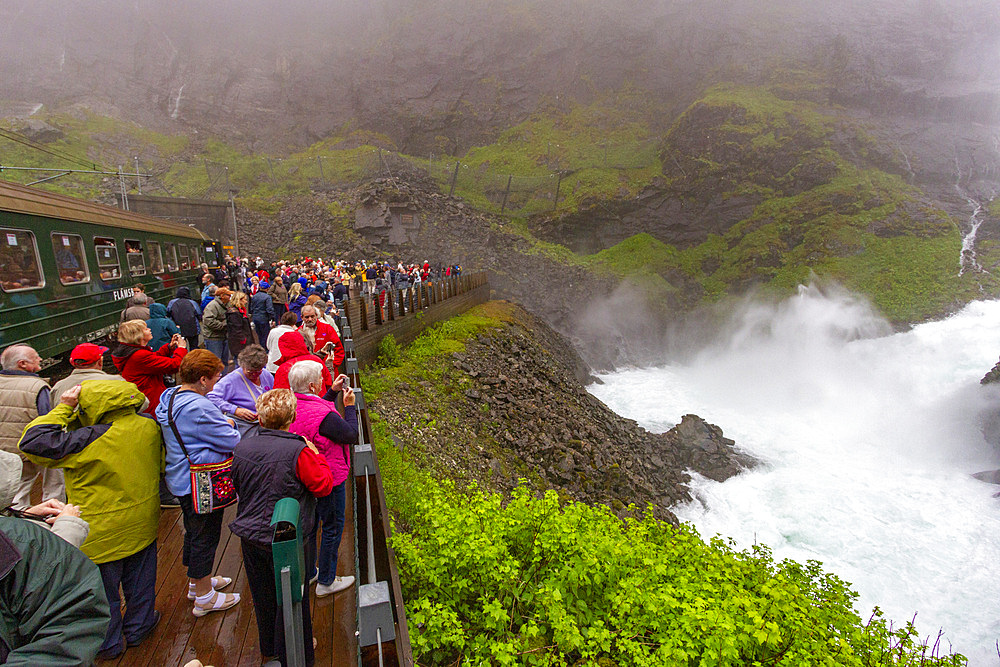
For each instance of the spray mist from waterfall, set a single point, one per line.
(867, 439)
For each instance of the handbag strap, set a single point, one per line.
(170, 420)
(249, 387)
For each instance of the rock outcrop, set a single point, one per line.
(516, 408)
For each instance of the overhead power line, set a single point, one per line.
(17, 138)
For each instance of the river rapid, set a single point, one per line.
(867, 440)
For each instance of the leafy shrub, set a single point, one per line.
(535, 582)
(389, 352)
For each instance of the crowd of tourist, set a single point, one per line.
(230, 396)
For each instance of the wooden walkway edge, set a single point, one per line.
(229, 638)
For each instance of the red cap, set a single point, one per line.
(85, 354)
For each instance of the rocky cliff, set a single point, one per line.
(511, 405)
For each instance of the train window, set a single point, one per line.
(107, 258)
(20, 266)
(182, 253)
(210, 256)
(170, 254)
(136, 262)
(155, 257)
(71, 259)
(195, 257)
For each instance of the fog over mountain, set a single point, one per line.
(443, 75)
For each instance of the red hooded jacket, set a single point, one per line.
(293, 348)
(145, 368)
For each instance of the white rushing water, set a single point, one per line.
(867, 440)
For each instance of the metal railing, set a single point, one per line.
(383, 636)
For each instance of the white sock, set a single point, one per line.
(206, 598)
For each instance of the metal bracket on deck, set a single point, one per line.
(375, 614)
(364, 460)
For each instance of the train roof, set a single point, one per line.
(29, 201)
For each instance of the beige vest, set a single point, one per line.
(76, 377)
(18, 406)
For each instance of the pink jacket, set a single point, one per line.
(310, 412)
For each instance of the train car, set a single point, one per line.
(67, 266)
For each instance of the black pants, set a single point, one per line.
(136, 574)
(259, 566)
(201, 538)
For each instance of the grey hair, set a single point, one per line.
(15, 354)
(213, 288)
(253, 357)
(312, 308)
(302, 373)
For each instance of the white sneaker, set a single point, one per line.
(339, 584)
(313, 579)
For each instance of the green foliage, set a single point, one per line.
(994, 207)
(532, 581)
(389, 352)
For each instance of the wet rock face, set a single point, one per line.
(517, 389)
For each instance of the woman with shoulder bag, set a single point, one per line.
(199, 442)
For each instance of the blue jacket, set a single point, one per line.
(160, 325)
(208, 436)
(261, 307)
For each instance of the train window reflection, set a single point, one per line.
(182, 252)
(107, 258)
(155, 258)
(71, 259)
(134, 258)
(170, 254)
(210, 256)
(20, 267)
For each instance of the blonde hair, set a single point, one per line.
(238, 300)
(276, 408)
(131, 332)
(295, 290)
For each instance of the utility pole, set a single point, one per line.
(555, 203)
(454, 177)
(319, 160)
(138, 183)
(505, 193)
(236, 236)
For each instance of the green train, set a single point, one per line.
(67, 266)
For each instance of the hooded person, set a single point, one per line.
(112, 458)
(293, 349)
(161, 326)
(53, 609)
(186, 312)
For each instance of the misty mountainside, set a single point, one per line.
(442, 76)
(643, 161)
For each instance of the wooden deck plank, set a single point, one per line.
(229, 639)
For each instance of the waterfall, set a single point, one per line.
(967, 260)
(177, 104)
(867, 442)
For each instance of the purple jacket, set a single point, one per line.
(235, 390)
(310, 411)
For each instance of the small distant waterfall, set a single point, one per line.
(967, 261)
(177, 104)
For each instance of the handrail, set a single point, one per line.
(382, 632)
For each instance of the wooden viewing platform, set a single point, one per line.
(229, 638)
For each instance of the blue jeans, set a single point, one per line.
(136, 574)
(263, 328)
(219, 348)
(330, 510)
